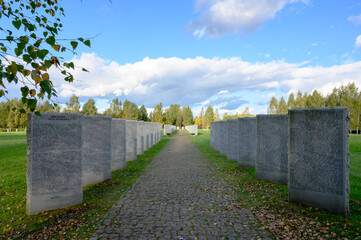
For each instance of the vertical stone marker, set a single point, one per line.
(118, 144)
(151, 134)
(140, 137)
(319, 158)
(223, 147)
(96, 157)
(146, 135)
(233, 139)
(131, 140)
(247, 142)
(216, 135)
(272, 139)
(54, 171)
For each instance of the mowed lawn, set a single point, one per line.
(269, 202)
(75, 222)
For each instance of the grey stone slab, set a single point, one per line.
(131, 140)
(318, 148)
(193, 129)
(247, 142)
(96, 148)
(272, 156)
(140, 137)
(168, 129)
(216, 141)
(146, 131)
(54, 170)
(223, 147)
(233, 139)
(118, 144)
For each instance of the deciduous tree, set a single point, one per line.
(31, 47)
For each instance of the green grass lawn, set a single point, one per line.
(74, 222)
(269, 202)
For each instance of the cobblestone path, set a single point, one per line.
(179, 196)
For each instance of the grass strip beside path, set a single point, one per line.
(269, 202)
(75, 222)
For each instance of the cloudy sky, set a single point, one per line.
(231, 54)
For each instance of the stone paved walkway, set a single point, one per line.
(179, 196)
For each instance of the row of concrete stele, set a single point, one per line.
(67, 151)
(306, 149)
(192, 129)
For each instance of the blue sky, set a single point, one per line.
(231, 54)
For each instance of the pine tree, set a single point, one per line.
(291, 101)
(282, 107)
(143, 113)
(216, 116)
(209, 117)
(273, 105)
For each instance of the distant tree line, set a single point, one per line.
(345, 96)
(11, 118)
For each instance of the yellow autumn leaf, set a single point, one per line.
(45, 76)
(56, 47)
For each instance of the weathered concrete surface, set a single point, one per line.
(96, 156)
(179, 196)
(118, 144)
(131, 140)
(272, 156)
(233, 139)
(54, 171)
(217, 136)
(168, 129)
(140, 137)
(147, 136)
(247, 142)
(319, 158)
(223, 144)
(193, 129)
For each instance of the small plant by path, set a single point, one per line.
(75, 222)
(269, 202)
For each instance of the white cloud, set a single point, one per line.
(314, 45)
(193, 81)
(355, 19)
(223, 92)
(267, 55)
(220, 17)
(358, 42)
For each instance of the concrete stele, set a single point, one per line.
(233, 139)
(131, 140)
(272, 139)
(247, 142)
(223, 147)
(118, 144)
(318, 171)
(140, 137)
(54, 171)
(146, 136)
(96, 156)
